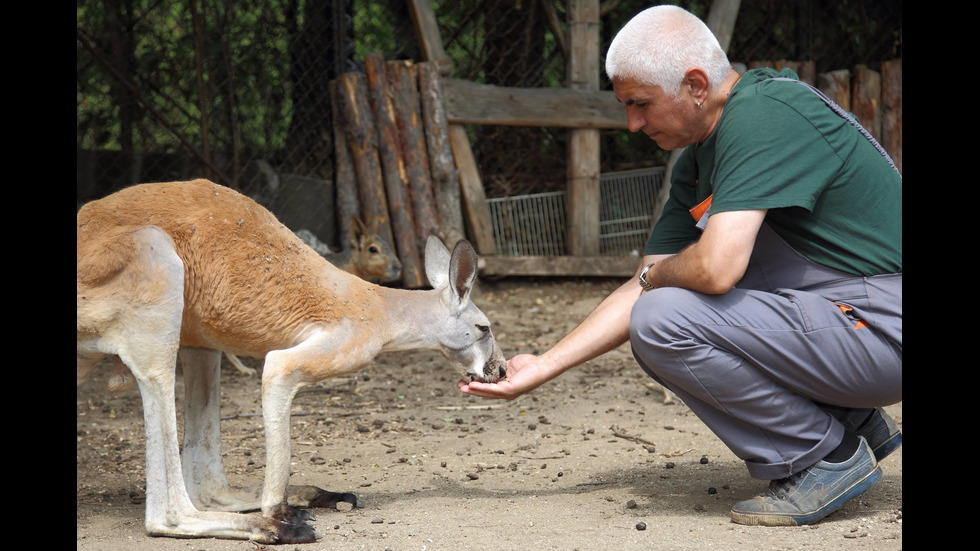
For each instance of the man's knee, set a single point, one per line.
(657, 317)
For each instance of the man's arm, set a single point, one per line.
(604, 329)
(715, 263)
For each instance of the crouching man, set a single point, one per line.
(769, 298)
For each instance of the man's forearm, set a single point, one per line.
(604, 329)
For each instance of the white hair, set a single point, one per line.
(660, 44)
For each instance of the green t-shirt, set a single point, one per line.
(829, 192)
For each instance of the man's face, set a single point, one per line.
(667, 120)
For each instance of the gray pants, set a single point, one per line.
(777, 374)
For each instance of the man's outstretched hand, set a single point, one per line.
(525, 372)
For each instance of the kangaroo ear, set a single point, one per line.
(357, 228)
(462, 270)
(436, 261)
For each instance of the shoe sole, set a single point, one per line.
(888, 446)
(856, 489)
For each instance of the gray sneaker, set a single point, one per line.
(812, 494)
(882, 434)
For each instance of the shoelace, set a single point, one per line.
(781, 488)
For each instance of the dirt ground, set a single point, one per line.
(593, 460)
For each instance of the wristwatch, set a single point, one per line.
(643, 277)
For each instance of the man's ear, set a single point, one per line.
(696, 81)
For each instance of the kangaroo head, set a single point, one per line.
(371, 255)
(466, 339)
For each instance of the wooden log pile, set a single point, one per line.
(394, 166)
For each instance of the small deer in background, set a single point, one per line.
(195, 269)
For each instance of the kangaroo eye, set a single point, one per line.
(483, 328)
(373, 249)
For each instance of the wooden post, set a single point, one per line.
(358, 122)
(445, 177)
(472, 187)
(403, 85)
(348, 204)
(837, 86)
(808, 72)
(891, 104)
(474, 197)
(721, 20)
(393, 171)
(866, 99)
(583, 143)
(427, 31)
(781, 64)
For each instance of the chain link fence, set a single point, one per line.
(238, 91)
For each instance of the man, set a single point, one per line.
(769, 298)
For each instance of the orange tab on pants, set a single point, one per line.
(847, 311)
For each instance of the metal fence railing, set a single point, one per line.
(534, 224)
(528, 225)
(627, 201)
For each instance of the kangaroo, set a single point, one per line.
(367, 256)
(194, 269)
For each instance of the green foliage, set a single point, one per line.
(373, 24)
(238, 75)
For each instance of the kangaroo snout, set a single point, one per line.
(494, 370)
